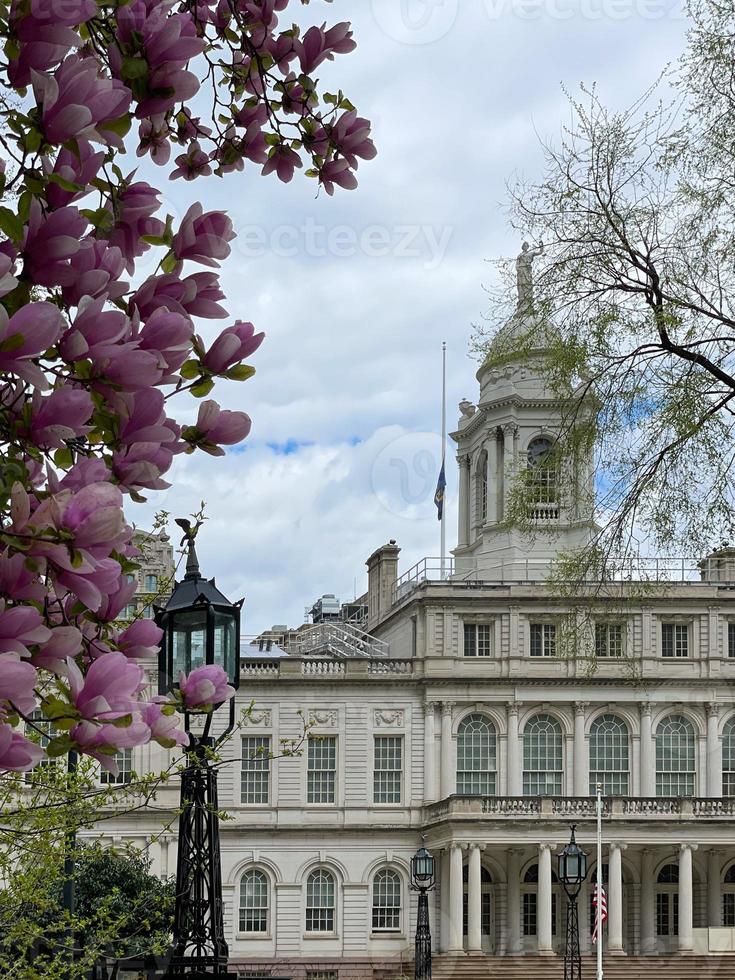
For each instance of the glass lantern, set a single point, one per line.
(422, 869)
(572, 866)
(200, 626)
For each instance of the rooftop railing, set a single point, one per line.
(467, 572)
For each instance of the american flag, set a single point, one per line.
(599, 901)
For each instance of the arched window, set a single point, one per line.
(728, 898)
(387, 901)
(320, 901)
(675, 752)
(542, 480)
(529, 901)
(481, 484)
(254, 902)
(667, 901)
(542, 757)
(728, 758)
(476, 757)
(609, 764)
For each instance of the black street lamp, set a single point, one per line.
(200, 626)
(423, 879)
(572, 873)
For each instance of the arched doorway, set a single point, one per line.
(529, 910)
(667, 907)
(487, 909)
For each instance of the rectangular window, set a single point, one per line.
(543, 640)
(387, 769)
(40, 731)
(151, 583)
(124, 761)
(674, 640)
(608, 639)
(667, 914)
(255, 772)
(477, 640)
(529, 914)
(322, 769)
(731, 640)
(728, 910)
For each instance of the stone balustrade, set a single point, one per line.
(329, 668)
(580, 808)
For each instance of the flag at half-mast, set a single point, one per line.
(599, 902)
(441, 484)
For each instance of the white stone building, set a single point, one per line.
(470, 725)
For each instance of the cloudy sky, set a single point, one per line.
(357, 292)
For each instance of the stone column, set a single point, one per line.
(456, 895)
(615, 899)
(714, 751)
(474, 900)
(513, 910)
(491, 475)
(444, 899)
(583, 906)
(648, 762)
(464, 501)
(163, 843)
(429, 760)
(508, 463)
(648, 904)
(543, 906)
(714, 890)
(686, 901)
(448, 784)
(580, 761)
(515, 783)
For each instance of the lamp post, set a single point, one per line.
(200, 626)
(572, 873)
(423, 880)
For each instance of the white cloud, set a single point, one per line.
(353, 342)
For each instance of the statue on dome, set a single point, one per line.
(524, 276)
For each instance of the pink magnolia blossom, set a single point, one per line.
(108, 690)
(77, 100)
(62, 415)
(168, 336)
(205, 687)
(283, 160)
(29, 332)
(17, 753)
(351, 134)
(203, 237)
(215, 427)
(17, 682)
(140, 641)
(232, 346)
(50, 242)
(18, 580)
(44, 31)
(8, 282)
(154, 139)
(78, 166)
(116, 600)
(21, 627)
(64, 642)
(196, 295)
(136, 204)
(101, 742)
(164, 728)
(97, 269)
(319, 44)
(337, 172)
(193, 163)
(142, 465)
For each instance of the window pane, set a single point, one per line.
(320, 902)
(543, 640)
(386, 901)
(322, 769)
(731, 639)
(476, 757)
(254, 902)
(387, 769)
(608, 639)
(124, 760)
(609, 756)
(542, 757)
(674, 640)
(675, 757)
(255, 772)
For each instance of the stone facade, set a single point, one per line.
(495, 709)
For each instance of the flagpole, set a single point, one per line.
(443, 541)
(599, 881)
